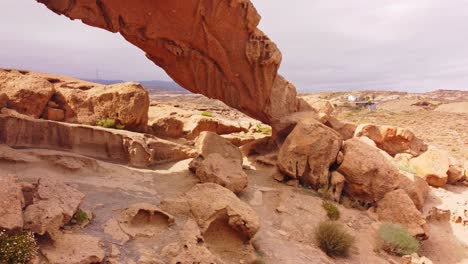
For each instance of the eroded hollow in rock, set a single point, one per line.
(147, 219)
(224, 241)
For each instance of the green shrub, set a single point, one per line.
(17, 249)
(264, 129)
(207, 114)
(80, 217)
(333, 239)
(396, 240)
(109, 123)
(332, 211)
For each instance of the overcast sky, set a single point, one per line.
(416, 45)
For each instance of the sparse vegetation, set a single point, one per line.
(17, 249)
(109, 123)
(264, 129)
(333, 239)
(207, 114)
(396, 240)
(333, 212)
(80, 217)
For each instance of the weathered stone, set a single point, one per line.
(308, 153)
(432, 165)
(416, 187)
(209, 202)
(337, 185)
(369, 175)
(74, 249)
(397, 207)
(208, 143)
(140, 150)
(393, 140)
(240, 70)
(145, 220)
(225, 172)
(345, 129)
(54, 114)
(54, 205)
(26, 93)
(454, 174)
(3, 100)
(11, 203)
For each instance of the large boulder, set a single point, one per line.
(224, 56)
(432, 166)
(345, 129)
(225, 172)
(308, 153)
(54, 204)
(208, 143)
(416, 187)
(135, 149)
(393, 140)
(11, 203)
(209, 202)
(397, 207)
(27, 94)
(369, 175)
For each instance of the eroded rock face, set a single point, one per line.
(308, 153)
(11, 203)
(369, 175)
(225, 172)
(140, 150)
(74, 249)
(54, 204)
(61, 98)
(208, 143)
(397, 207)
(209, 202)
(416, 187)
(393, 140)
(26, 94)
(432, 165)
(210, 47)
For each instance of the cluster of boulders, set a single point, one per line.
(60, 98)
(44, 208)
(387, 168)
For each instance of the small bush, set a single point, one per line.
(266, 130)
(17, 249)
(109, 123)
(332, 211)
(207, 114)
(80, 217)
(396, 240)
(333, 239)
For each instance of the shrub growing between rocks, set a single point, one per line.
(17, 249)
(333, 212)
(396, 240)
(207, 114)
(333, 239)
(109, 123)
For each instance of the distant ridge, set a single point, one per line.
(150, 85)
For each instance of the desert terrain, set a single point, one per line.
(155, 195)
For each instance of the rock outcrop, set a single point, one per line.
(209, 143)
(369, 175)
(393, 140)
(308, 153)
(225, 172)
(213, 48)
(74, 249)
(61, 98)
(26, 93)
(432, 165)
(397, 207)
(11, 203)
(209, 202)
(140, 150)
(54, 204)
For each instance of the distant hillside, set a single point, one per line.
(150, 85)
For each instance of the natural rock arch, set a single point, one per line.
(212, 47)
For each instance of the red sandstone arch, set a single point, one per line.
(212, 47)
